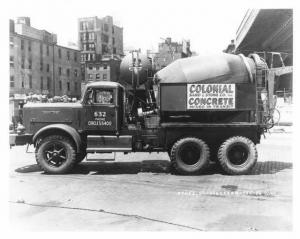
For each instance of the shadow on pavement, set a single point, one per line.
(147, 166)
(155, 166)
(29, 169)
(270, 167)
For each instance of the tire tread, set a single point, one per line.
(223, 158)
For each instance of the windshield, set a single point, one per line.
(83, 92)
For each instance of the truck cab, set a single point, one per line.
(103, 108)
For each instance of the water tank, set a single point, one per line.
(126, 68)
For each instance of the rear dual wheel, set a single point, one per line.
(189, 155)
(237, 155)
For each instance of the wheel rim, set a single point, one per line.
(238, 154)
(189, 154)
(55, 154)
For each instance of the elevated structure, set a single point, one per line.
(269, 32)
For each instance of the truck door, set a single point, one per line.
(101, 110)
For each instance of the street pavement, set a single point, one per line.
(137, 192)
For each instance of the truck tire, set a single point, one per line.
(189, 155)
(55, 154)
(237, 155)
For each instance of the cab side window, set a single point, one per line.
(103, 96)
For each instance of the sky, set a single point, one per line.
(209, 26)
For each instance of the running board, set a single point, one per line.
(108, 143)
(107, 150)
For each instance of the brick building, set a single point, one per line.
(107, 69)
(98, 37)
(101, 45)
(38, 65)
(169, 51)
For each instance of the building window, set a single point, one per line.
(91, 46)
(41, 66)
(11, 61)
(48, 83)
(75, 73)
(23, 83)
(104, 38)
(23, 63)
(12, 81)
(42, 86)
(30, 81)
(29, 63)
(105, 27)
(22, 44)
(91, 36)
(41, 49)
(86, 25)
(114, 50)
(104, 77)
(83, 36)
(60, 85)
(75, 56)
(59, 71)
(97, 76)
(59, 53)
(68, 72)
(48, 67)
(90, 76)
(104, 49)
(90, 67)
(68, 86)
(29, 45)
(105, 67)
(113, 29)
(68, 55)
(47, 50)
(114, 41)
(76, 86)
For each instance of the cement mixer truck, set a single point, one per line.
(198, 110)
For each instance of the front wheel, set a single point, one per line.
(56, 154)
(189, 155)
(237, 155)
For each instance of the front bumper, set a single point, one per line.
(15, 139)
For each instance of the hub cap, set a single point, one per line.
(190, 154)
(55, 154)
(238, 154)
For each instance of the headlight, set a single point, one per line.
(20, 129)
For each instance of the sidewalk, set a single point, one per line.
(285, 124)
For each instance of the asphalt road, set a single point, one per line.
(136, 192)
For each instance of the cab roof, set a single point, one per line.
(106, 84)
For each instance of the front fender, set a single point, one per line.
(61, 127)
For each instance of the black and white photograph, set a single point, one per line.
(149, 116)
